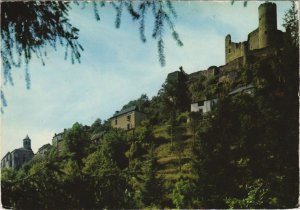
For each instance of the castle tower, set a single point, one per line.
(267, 28)
(227, 47)
(27, 143)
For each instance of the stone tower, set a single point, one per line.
(27, 143)
(267, 28)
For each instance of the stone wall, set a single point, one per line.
(253, 40)
(234, 50)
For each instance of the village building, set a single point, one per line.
(127, 119)
(249, 89)
(18, 157)
(203, 106)
(97, 137)
(57, 141)
(43, 150)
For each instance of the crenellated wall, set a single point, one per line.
(234, 50)
(266, 35)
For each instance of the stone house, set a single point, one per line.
(127, 119)
(43, 150)
(97, 137)
(18, 157)
(57, 141)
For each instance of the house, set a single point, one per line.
(18, 157)
(243, 89)
(43, 150)
(57, 140)
(203, 106)
(97, 137)
(127, 119)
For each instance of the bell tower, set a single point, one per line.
(27, 143)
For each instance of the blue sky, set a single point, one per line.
(117, 67)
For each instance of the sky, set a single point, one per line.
(117, 67)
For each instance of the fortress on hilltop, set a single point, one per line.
(266, 35)
(262, 43)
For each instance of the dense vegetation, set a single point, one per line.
(242, 154)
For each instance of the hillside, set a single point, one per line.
(225, 137)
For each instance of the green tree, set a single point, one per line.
(141, 103)
(183, 194)
(175, 92)
(76, 142)
(151, 191)
(105, 174)
(253, 137)
(291, 23)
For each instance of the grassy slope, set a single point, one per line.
(169, 160)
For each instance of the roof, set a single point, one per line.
(241, 89)
(59, 134)
(97, 135)
(22, 148)
(210, 99)
(124, 111)
(5, 155)
(44, 146)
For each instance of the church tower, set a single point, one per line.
(27, 143)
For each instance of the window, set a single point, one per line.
(24, 158)
(128, 126)
(129, 118)
(228, 50)
(116, 121)
(201, 103)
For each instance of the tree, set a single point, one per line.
(183, 193)
(247, 152)
(291, 23)
(151, 187)
(141, 103)
(104, 172)
(175, 92)
(194, 122)
(76, 143)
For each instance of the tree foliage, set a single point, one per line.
(247, 153)
(40, 25)
(291, 23)
(37, 26)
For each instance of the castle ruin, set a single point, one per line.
(266, 35)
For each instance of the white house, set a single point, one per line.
(203, 106)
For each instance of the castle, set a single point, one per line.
(266, 35)
(264, 42)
